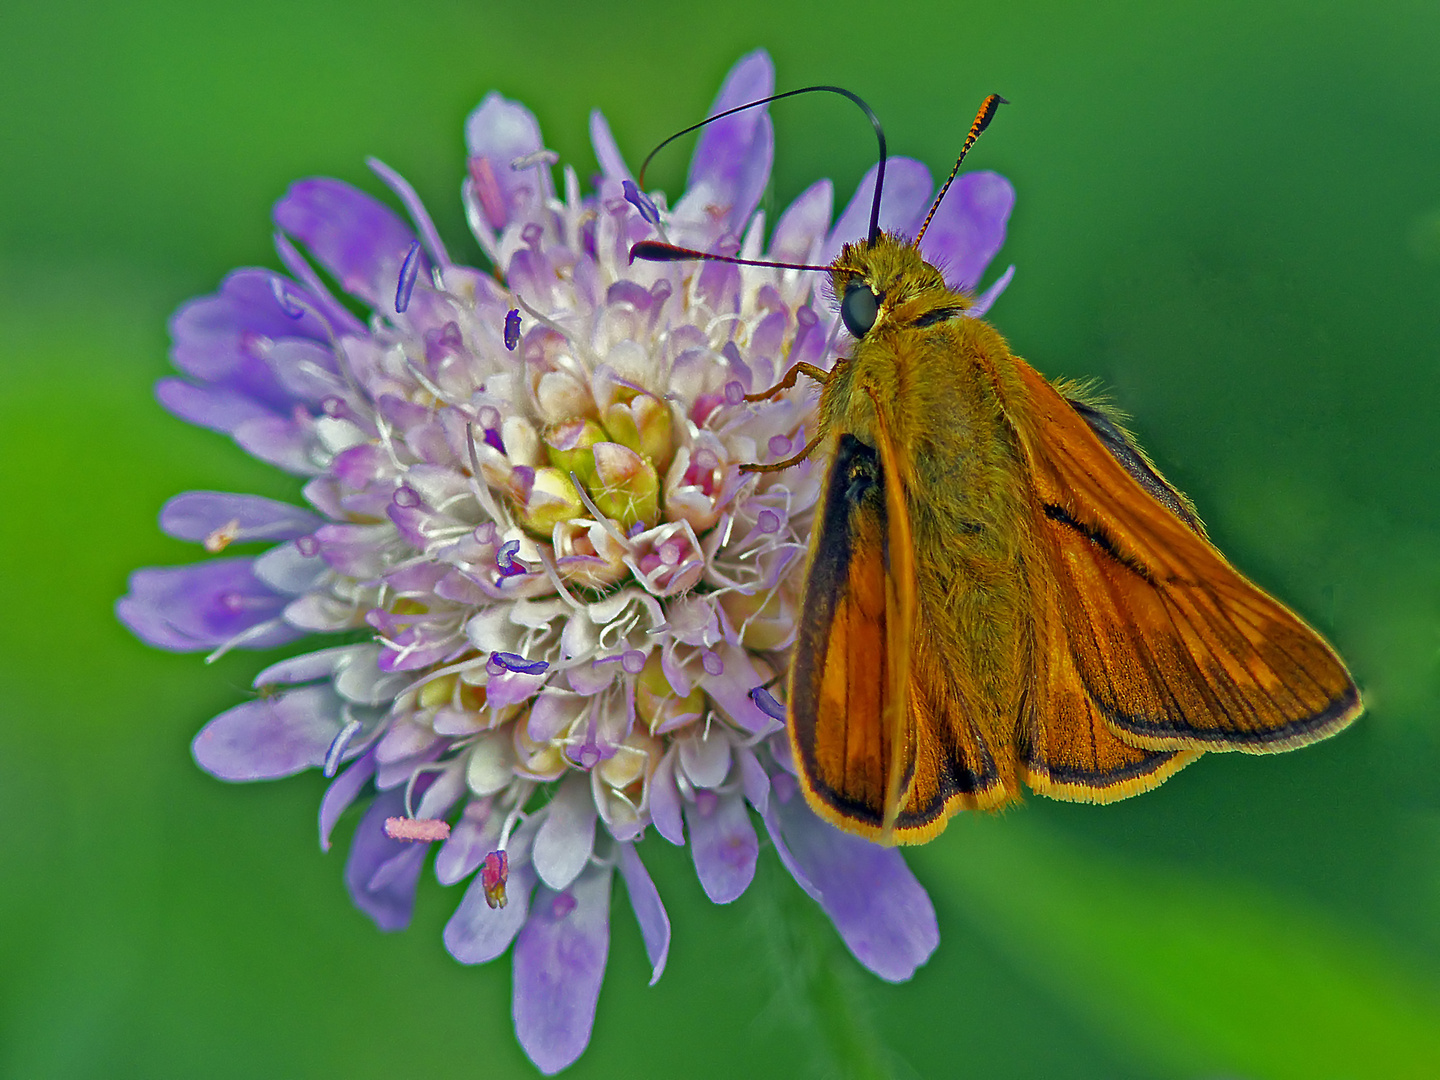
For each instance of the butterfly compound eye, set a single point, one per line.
(859, 308)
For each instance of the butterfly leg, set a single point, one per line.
(802, 368)
(778, 466)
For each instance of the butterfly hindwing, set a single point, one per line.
(1175, 648)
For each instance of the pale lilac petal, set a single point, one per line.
(214, 407)
(359, 239)
(565, 840)
(559, 964)
(499, 131)
(902, 205)
(224, 340)
(648, 908)
(194, 515)
(984, 301)
(343, 791)
(474, 836)
(754, 780)
(723, 845)
(268, 738)
(381, 873)
(804, 224)
(478, 933)
(883, 914)
(607, 152)
(307, 667)
(279, 440)
(202, 605)
(969, 228)
(732, 159)
(771, 817)
(665, 800)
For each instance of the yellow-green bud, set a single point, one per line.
(627, 487)
(568, 447)
(553, 499)
(642, 424)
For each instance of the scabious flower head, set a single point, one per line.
(557, 596)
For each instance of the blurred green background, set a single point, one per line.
(1229, 212)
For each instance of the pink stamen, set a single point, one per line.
(424, 829)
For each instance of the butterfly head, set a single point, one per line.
(887, 283)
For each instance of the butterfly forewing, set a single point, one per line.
(1174, 646)
(886, 771)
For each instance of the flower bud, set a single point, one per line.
(568, 447)
(656, 703)
(627, 486)
(642, 424)
(552, 499)
(765, 620)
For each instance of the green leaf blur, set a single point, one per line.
(1229, 212)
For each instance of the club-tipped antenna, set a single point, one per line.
(879, 169)
(982, 121)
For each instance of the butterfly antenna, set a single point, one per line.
(982, 121)
(656, 252)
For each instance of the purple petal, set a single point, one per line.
(268, 738)
(969, 227)
(984, 301)
(381, 873)
(559, 964)
(754, 780)
(474, 836)
(213, 407)
(225, 338)
(203, 605)
(341, 793)
(567, 836)
(883, 914)
(359, 239)
(723, 844)
(281, 441)
(804, 223)
(498, 132)
(607, 152)
(731, 164)
(478, 933)
(902, 205)
(665, 800)
(649, 911)
(194, 515)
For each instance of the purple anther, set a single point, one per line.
(779, 444)
(338, 745)
(512, 328)
(308, 546)
(287, 302)
(494, 872)
(531, 234)
(712, 663)
(633, 661)
(505, 559)
(766, 703)
(768, 521)
(734, 393)
(407, 497)
(638, 199)
(408, 271)
(509, 661)
(492, 439)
